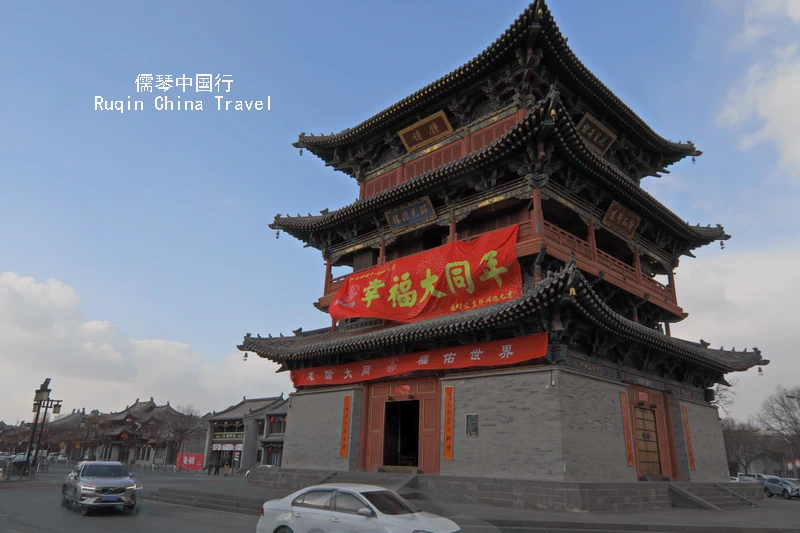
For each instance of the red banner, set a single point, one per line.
(487, 354)
(447, 279)
(189, 461)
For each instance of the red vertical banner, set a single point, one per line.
(626, 427)
(345, 427)
(448, 423)
(688, 437)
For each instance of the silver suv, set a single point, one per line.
(95, 484)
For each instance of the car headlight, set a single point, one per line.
(132, 487)
(88, 488)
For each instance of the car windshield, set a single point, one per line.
(389, 503)
(105, 471)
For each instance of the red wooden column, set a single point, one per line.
(361, 188)
(382, 253)
(592, 239)
(537, 216)
(327, 276)
(671, 277)
(328, 288)
(637, 265)
(635, 315)
(452, 236)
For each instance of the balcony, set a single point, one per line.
(561, 245)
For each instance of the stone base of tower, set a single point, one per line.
(558, 423)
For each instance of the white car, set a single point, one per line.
(348, 508)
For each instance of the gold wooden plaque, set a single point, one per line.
(426, 131)
(621, 219)
(595, 135)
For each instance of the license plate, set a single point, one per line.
(109, 498)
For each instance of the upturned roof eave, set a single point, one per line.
(301, 227)
(537, 16)
(555, 286)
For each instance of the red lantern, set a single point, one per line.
(269, 449)
(272, 419)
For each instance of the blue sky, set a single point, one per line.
(157, 221)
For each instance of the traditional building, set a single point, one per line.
(235, 435)
(512, 289)
(144, 433)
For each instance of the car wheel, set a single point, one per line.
(768, 493)
(85, 511)
(787, 495)
(64, 500)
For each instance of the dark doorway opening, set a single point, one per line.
(401, 434)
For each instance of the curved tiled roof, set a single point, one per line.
(534, 125)
(536, 17)
(245, 407)
(555, 286)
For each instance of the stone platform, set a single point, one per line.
(775, 515)
(529, 494)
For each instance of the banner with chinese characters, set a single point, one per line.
(454, 277)
(487, 354)
(190, 461)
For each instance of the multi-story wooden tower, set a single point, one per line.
(504, 316)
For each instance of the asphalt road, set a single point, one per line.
(34, 507)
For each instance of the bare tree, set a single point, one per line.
(780, 414)
(724, 396)
(183, 425)
(744, 442)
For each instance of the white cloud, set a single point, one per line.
(94, 364)
(742, 299)
(764, 104)
(762, 18)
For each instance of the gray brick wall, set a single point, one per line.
(519, 427)
(593, 440)
(707, 444)
(354, 448)
(250, 445)
(680, 439)
(313, 430)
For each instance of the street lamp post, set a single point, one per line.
(41, 399)
(56, 405)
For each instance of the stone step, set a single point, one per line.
(201, 505)
(221, 504)
(733, 505)
(226, 501)
(183, 493)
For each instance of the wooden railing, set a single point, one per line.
(336, 284)
(618, 272)
(565, 238)
(660, 290)
(613, 263)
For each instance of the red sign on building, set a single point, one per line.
(487, 354)
(454, 277)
